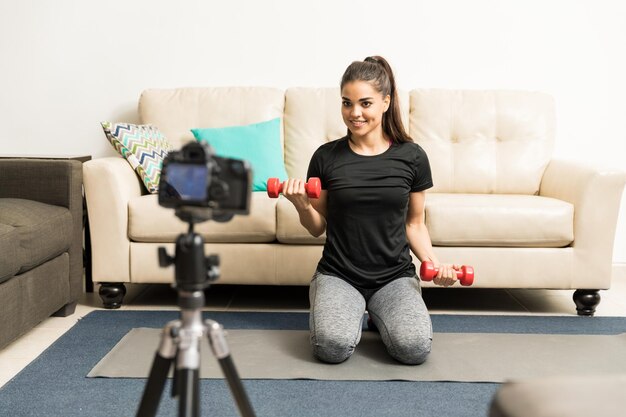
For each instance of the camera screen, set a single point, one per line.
(189, 181)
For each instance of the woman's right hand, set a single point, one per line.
(446, 275)
(312, 213)
(294, 191)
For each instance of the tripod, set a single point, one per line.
(180, 339)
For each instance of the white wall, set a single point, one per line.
(65, 65)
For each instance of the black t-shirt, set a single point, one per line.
(368, 197)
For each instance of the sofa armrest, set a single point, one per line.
(596, 196)
(109, 184)
(50, 181)
(57, 182)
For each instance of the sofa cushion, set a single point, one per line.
(499, 220)
(470, 220)
(484, 141)
(149, 222)
(42, 231)
(143, 146)
(257, 143)
(9, 263)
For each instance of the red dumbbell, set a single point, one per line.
(313, 187)
(465, 275)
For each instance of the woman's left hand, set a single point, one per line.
(446, 276)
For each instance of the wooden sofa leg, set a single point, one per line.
(112, 294)
(586, 301)
(67, 310)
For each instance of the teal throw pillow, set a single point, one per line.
(258, 143)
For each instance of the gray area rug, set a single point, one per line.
(459, 357)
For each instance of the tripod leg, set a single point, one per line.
(158, 373)
(189, 392)
(217, 340)
(188, 358)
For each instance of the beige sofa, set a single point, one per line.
(500, 202)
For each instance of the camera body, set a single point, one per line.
(194, 178)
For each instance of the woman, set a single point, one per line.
(372, 209)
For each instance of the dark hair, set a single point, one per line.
(376, 71)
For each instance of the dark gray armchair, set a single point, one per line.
(41, 258)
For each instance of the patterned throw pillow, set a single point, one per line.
(143, 146)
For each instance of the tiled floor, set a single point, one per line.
(20, 353)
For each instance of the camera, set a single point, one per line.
(194, 179)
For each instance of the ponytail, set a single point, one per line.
(376, 70)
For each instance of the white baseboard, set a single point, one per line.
(619, 271)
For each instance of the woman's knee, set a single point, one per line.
(411, 351)
(333, 349)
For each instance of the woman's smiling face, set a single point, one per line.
(362, 108)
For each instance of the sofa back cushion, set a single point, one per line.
(477, 141)
(176, 111)
(484, 141)
(312, 118)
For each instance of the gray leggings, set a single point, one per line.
(397, 310)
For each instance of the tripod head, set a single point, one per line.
(194, 270)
